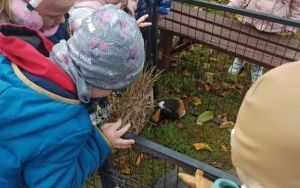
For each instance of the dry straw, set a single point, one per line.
(136, 104)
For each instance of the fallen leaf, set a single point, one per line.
(140, 159)
(202, 146)
(214, 59)
(204, 117)
(226, 124)
(224, 148)
(216, 164)
(196, 101)
(239, 18)
(180, 126)
(207, 88)
(125, 170)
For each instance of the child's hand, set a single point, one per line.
(113, 133)
(141, 21)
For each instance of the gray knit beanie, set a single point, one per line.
(108, 49)
(106, 52)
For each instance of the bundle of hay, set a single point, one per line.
(136, 104)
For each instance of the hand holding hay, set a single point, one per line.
(113, 133)
(136, 103)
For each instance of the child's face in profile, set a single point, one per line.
(53, 12)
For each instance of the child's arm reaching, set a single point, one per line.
(141, 21)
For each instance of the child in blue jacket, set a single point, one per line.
(46, 137)
(144, 7)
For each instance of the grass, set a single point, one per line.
(201, 72)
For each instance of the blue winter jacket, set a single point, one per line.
(46, 140)
(142, 8)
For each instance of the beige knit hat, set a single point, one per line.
(266, 140)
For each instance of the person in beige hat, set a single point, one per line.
(265, 140)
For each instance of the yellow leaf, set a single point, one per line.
(196, 101)
(180, 126)
(204, 117)
(214, 59)
(139, 160)
(239, 18)
(224, 148)
(226, 124)
(202, 146)
(125, 170)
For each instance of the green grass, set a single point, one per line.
(219, 93)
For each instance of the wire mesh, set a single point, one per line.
(221, 34)
(151, 165)
(212, 38)
(230, 30)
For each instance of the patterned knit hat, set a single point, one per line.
(108, 49)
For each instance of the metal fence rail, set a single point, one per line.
(204, 22)
(144, 175)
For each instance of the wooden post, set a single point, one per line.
(166, 48)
